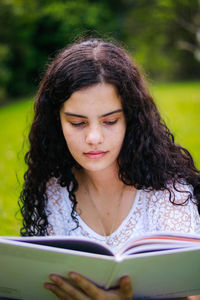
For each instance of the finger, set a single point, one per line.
(63, 287)
(126, 288)
(57, 291)
(86, 285)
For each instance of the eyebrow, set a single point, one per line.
(84, 117)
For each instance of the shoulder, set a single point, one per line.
(177, 194)
(58, 208)
(57, 196)
(173, 209)
(52, 187)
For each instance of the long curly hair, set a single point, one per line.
(149, 158)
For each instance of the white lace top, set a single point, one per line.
(151, 211)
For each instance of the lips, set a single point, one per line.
(95, 154)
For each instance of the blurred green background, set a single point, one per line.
(163, 36)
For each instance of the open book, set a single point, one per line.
(160, 265)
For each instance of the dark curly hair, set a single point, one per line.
(149, 158)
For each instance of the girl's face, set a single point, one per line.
(94, 126)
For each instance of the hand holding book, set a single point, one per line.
(82, 288)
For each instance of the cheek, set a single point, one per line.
(74, 142)
(121, 140)
(69, 136)
(118, 136)
(71, 141)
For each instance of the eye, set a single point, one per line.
(110, 122)
(80, 124)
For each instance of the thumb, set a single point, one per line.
(126, 288)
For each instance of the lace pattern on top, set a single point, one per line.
(151, 211)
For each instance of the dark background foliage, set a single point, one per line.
(162, 35)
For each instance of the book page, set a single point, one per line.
(161, 275)
(159, 241)
(25, 269)
(71, 243)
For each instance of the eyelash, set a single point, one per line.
(109, 123)
(78, 124)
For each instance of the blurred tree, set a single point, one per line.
(32, 31)
(192, 27)
(185, 35)
(163, 35)
(5, 52)
(158, 30)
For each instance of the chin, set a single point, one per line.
(96, 167)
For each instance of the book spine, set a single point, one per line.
(112, 275)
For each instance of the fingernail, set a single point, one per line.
(72, 275)
(53, 277)
(126, 278)
(47, 286)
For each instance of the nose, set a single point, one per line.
(94, 135)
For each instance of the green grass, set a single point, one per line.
(179, 104)
(14, 120)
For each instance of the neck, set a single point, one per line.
(101, 181)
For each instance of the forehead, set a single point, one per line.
(100, 98)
